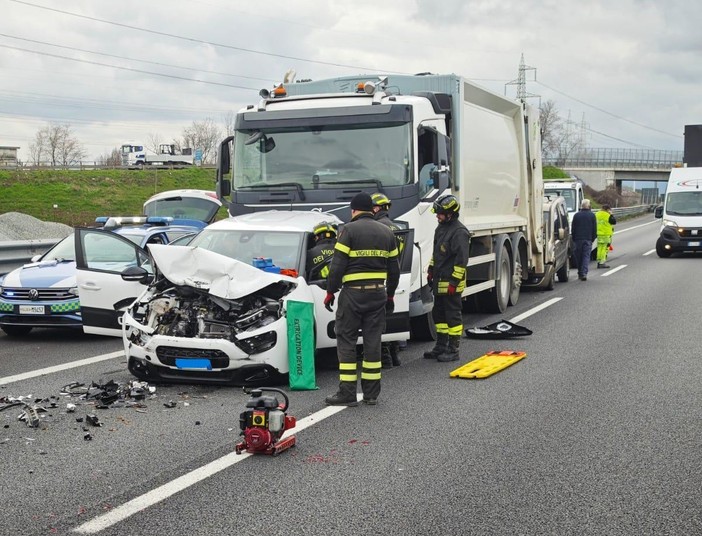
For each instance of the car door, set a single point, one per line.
(561, 244)
(397, 325)
(101, 257)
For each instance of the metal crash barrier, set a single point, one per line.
(15, 253)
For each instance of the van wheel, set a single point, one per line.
(661, 251)
(495, 300)
(564, 272)
(422, 328)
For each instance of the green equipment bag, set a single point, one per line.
(301, 345)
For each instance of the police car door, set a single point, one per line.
(101, 256)
(397, 325)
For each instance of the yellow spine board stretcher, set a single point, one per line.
(487, 365)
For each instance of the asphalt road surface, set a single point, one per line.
(598, 431)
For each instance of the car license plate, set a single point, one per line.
(187, 363)
(31, 309)
(693, 244)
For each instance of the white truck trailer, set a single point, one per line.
(314, 145)
(137, 156)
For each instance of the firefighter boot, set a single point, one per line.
(345, 396)
(439, 347)
(394, 350)
(385, 357)
(451, 352)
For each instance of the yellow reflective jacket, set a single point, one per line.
(605, 222)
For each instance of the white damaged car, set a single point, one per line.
(214, 310)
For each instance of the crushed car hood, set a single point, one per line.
(220, 275)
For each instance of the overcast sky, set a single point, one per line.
(627, 71)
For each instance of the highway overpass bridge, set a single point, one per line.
(602, 168)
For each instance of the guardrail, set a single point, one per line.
(15, 253)
(632, 211)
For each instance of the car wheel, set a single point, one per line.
(16, 331)
(422, 328)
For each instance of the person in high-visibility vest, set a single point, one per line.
(365, 267)
(605, 230)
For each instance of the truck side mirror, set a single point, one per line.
(658, 211)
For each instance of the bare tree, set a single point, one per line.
(551, 128)
(229, 122)
(153, 140)
(56, 144)
(203, 135)
(111, 159)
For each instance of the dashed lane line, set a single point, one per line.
(649, 252)
(614, 270)
(534, 310)
(59, 368)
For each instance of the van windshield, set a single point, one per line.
(684, 203)
(566, 193)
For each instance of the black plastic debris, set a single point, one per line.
(170, 404)
(88, 436)
(499, 330)
(93, 420)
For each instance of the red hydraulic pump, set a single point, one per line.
(263, 423)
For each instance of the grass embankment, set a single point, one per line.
(81, 196)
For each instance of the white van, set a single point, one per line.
(569, 189)
(681, 213)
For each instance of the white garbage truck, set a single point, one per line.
(314, 145)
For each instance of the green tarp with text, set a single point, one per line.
(301, 345)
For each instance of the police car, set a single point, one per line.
(44, 293)
(216, 309)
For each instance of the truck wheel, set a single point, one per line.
(516, 278)
(495, 300)
(422, 328)
(661, 251)
(564, 272)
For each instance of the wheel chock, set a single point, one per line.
(487, 365)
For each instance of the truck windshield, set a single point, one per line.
(567, 194)
(319, 157)
(684, 203)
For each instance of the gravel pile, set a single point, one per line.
(18, 226)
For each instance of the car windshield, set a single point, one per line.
(65, 250)
(179, 207)
(283, 248)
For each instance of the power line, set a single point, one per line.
(134, 59)
(194, 40)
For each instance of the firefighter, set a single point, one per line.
(319, 256)
(447, 276)
(381, 209)
(365, 267)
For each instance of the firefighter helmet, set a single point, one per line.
(446, 204)
(381, 200)
(325, 230)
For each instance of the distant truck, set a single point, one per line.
(314, 145)
(681, 213)
(137, 156)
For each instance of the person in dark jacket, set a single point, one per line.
(365, 267)
(447, 276)
(584, 233)
(319, 256)
(381, 210)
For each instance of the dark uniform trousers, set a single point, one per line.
(360, 309)
(448, 314)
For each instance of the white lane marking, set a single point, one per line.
(614, 270)
(193, 477)
(59, 368)
(535, 310)
(635, 227)
(649, 252)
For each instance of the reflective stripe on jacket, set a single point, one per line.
(365, 251)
